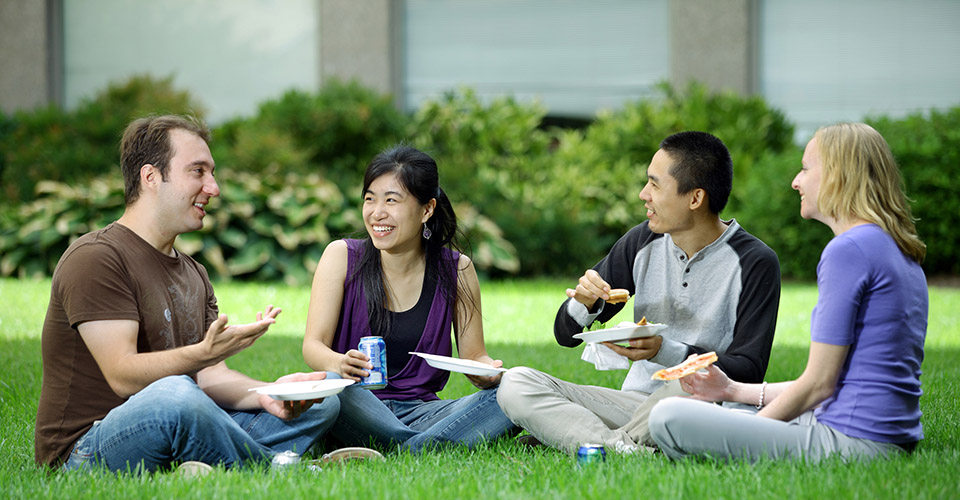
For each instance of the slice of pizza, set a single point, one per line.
(692, 364)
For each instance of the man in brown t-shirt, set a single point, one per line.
(133, 346)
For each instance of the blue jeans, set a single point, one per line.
(417, 425)
(172, 420)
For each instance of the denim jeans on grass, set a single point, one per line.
(172, 420)
(417, 425)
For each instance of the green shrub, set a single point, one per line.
(617, 147)
(564, 196)
(267, 228)
(73, 146)
(483, 149)
(333, 132)
(927, 148)
(33, 238)
(584, 194)
(491, 156)
(773, 214)
(531, 200)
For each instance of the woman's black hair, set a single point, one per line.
(417, 173)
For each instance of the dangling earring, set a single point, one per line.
(427, 233)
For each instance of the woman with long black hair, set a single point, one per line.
(407, 283)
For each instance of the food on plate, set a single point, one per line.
(618, 295)
(692, 364)
(642, 322)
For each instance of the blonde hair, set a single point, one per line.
(860, 180)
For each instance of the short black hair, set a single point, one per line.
(701, 160)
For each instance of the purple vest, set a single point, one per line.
(417, 380)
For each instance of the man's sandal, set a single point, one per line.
(354, 453)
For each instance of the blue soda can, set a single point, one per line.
(591, 454)
(376, 349)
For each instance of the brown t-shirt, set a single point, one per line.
(107, 275)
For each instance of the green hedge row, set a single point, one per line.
(563, 197)
(535, 199)
(267, 227)
(74, 146)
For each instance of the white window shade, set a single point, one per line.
(824, 61)
(576, 57)
(230, 54)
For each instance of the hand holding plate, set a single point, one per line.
(289, 409)
(485, 382)
(639, 349)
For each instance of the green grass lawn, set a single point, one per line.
(518, 319)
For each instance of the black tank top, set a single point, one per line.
(406, 328)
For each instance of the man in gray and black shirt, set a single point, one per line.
(716, 287)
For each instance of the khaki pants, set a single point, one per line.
(565, 415)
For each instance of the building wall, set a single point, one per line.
(870, 56)
(357, 42)
(23, 55)
(575, 57)
(711, 41)
(231, 55)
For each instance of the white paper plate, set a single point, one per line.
(467, 366)
(623, 331)
(307, 389)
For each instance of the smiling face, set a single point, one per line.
(393, 217)
(183, 196)
(667, 210)
(807, 182)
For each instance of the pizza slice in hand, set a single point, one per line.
(691, 365)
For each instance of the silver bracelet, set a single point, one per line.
(763, 388)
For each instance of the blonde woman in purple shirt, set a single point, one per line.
(858, 396)
(406, 283)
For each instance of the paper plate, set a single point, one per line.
(467, 366)
(307, 389)
(623, 331)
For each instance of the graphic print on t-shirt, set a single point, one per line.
(180, 316)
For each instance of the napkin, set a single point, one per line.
(603, 358)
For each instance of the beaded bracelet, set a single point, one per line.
(763, 387)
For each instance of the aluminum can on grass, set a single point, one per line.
(591, 454)
(375, 349)
(284, 459)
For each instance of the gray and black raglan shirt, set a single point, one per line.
(724, 298)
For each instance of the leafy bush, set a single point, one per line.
(531, 199)
(617, 147)
(333, 132)
(773, 214)
(927, 148)
(73, 146)
(33, 238)
(497, 157)
(564, 196)
(273, 227)
(484, 150)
